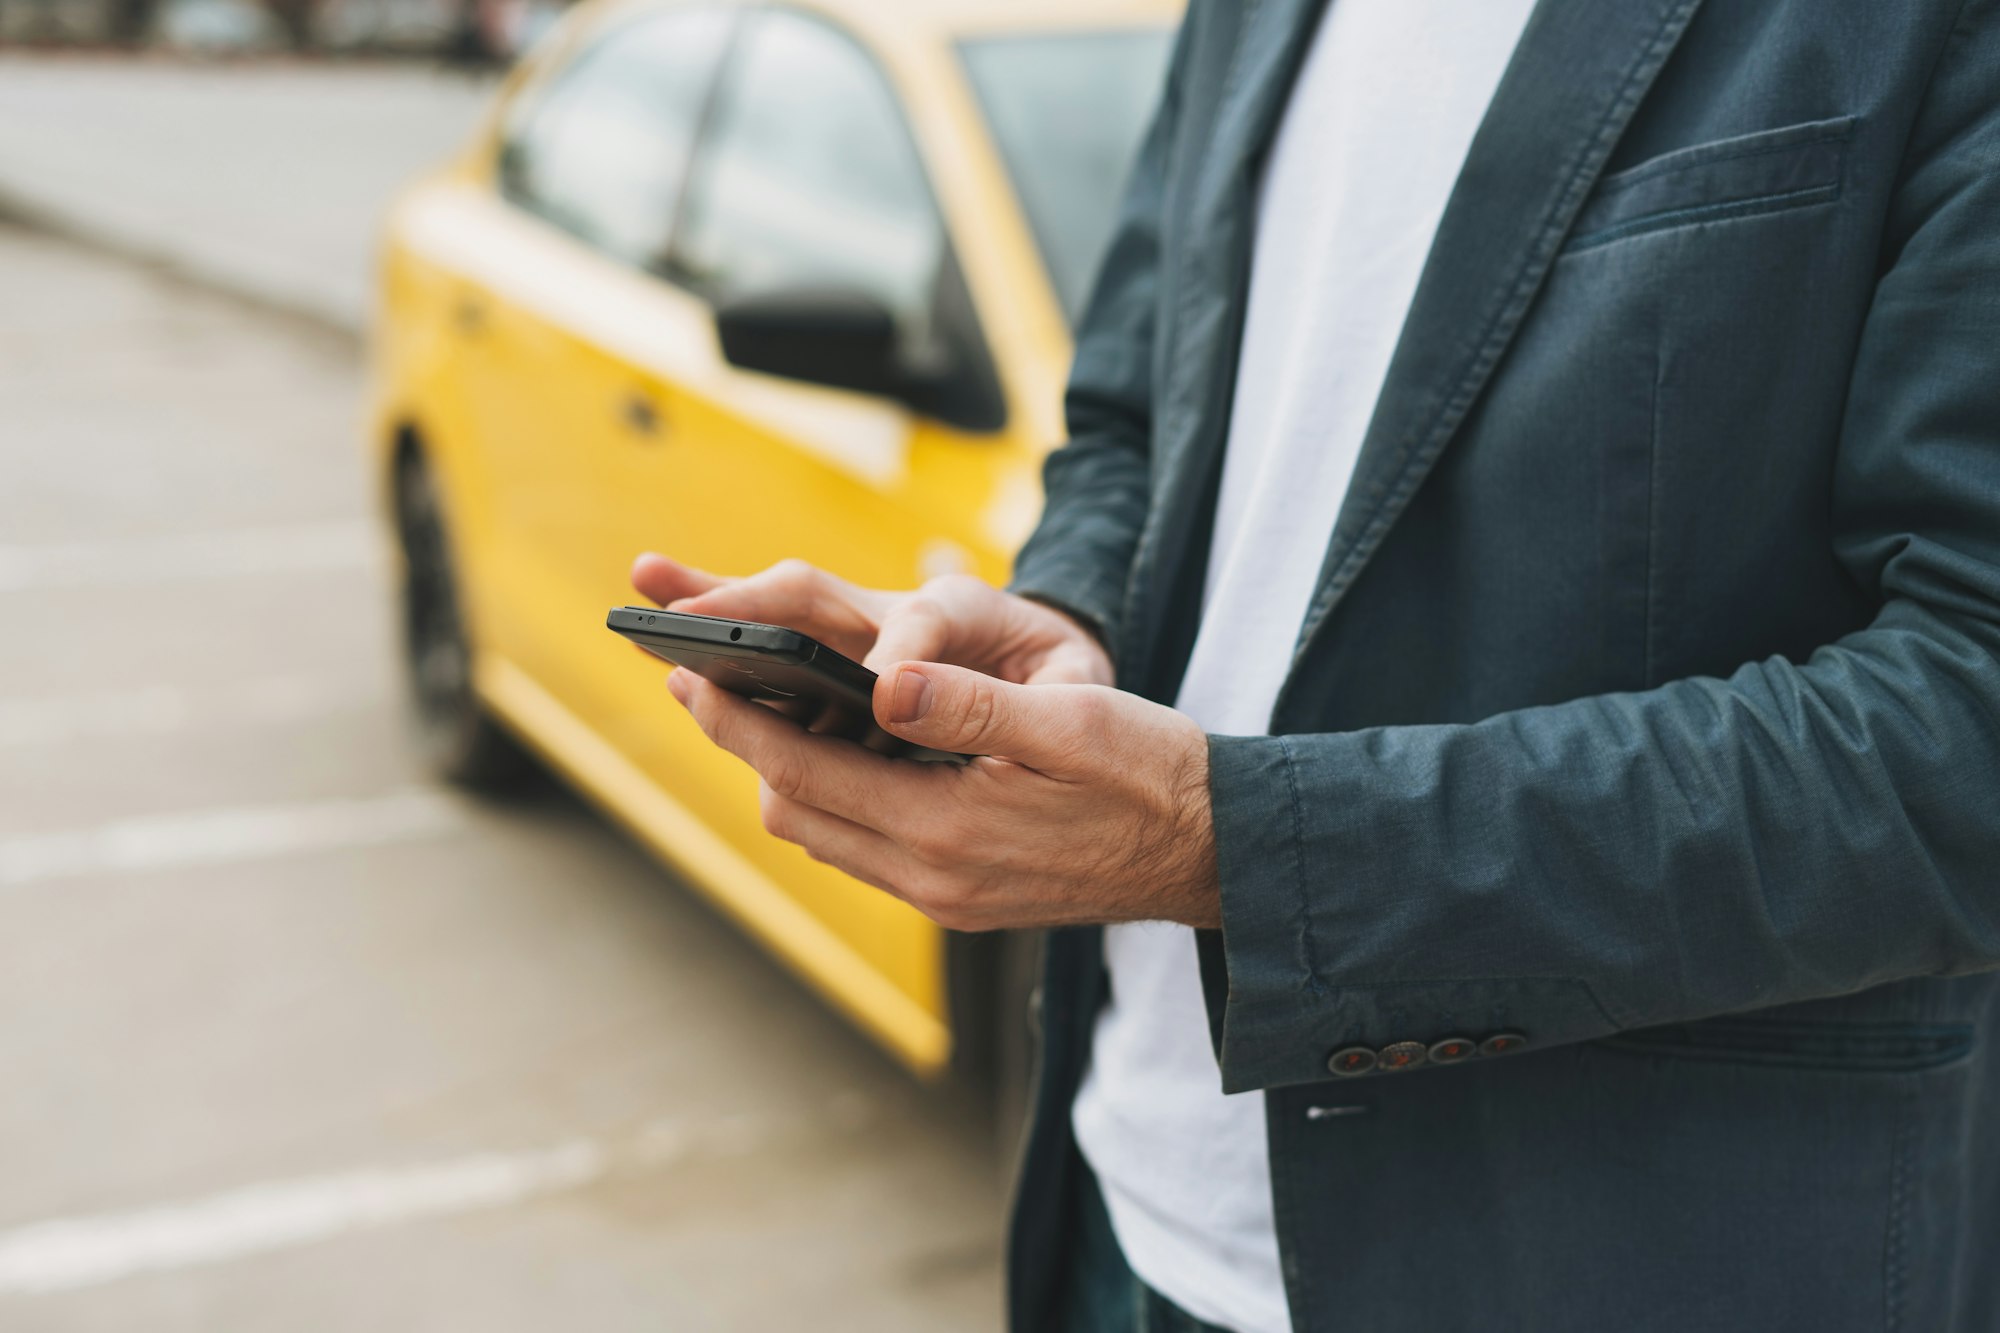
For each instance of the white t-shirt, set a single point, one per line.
(1364, 161)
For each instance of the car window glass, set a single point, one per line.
(604, 151)
(1068, 110)
(809, 178)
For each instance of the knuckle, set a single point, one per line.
(792, 570)
(948, 587)
(911, 630)
(961, 595)
(953, 905)
(920, 608)
(721, 725)
(776, 813)
(977, 709)
(1091, 726)
(928, 844)
(935, 895)
(1093, 709)
(702, 710)
(806, 590)
(785, 774)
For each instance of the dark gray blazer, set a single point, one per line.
(1649, 705)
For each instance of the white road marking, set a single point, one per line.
(68, 1253)
(304, 548)
(160, 710)
(225, 836)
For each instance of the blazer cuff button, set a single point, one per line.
(1403, 1055)
(1451, 1050)
(1350, 1062)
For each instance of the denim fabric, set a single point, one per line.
(1648, 706)
(1101, 1292)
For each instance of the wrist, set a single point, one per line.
(1196, 885)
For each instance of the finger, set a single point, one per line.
(799, 596)
(843, 844)
(827, 772)
(917, 631)
(661, 580)
(1073, 664)
(1057, 729)
(938, 622)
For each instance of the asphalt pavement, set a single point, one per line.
(292, 1038)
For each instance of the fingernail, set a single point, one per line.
(913, 696)
(678, 685)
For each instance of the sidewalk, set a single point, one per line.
(267, 180)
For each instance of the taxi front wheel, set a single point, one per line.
(458, 739)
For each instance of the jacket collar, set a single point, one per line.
(1579, 73)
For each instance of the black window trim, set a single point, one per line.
(537, 98)
(986, 410)
(982, 407)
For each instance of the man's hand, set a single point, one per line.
(955, 619)
(1091, 807)
(1088, 805)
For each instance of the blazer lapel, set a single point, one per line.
(1266, 61)
(1580, 71)
(1266, 42)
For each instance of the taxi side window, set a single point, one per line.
(809, 177)
(603, 151)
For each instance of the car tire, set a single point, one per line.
(458, 739)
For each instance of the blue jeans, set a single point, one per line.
(1103, 1294)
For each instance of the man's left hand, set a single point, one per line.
(1087, 805)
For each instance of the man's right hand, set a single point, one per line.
(956, 619)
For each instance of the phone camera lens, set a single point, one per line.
(735, 634)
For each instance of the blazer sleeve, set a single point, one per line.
(1796, 831)
(1099, 485)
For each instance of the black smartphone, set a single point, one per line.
(793, 673)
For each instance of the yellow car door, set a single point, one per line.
(808, 224)
(740, 281)
(561, 335)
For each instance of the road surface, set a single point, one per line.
(292, 1039)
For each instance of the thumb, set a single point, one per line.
(969, 712)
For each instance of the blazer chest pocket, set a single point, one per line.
(1767, 172)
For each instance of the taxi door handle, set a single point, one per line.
(641, 415)
(468, 315)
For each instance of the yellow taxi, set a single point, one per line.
(741, 282)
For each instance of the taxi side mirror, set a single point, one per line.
(833, 336)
